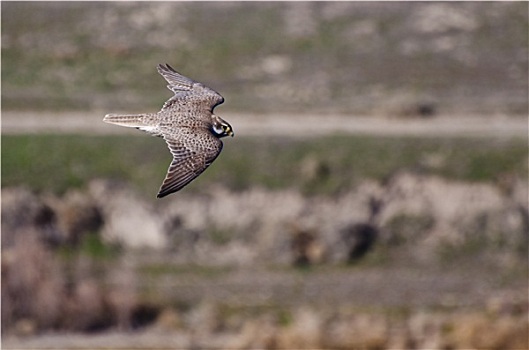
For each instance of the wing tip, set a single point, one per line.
(166, 68)
(175, 79)
(163, 192)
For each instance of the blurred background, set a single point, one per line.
(375, 194)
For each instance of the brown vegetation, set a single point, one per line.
(56, 276)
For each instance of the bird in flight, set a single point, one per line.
(187, 124)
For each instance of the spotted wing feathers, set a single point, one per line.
(187, 163)
(188, 89)
(177, 82)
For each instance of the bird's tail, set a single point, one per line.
(128, 120)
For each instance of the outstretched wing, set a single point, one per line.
(188, 90)
(188, 160)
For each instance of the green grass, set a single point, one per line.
(83, 55)
(58, 162)
(92, 247)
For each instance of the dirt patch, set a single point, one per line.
(304, 125)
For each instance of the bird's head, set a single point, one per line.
(220, 127)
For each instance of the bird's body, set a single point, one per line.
(187, 124)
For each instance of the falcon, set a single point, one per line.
(187, 124)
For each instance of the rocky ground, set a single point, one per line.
(416, 262)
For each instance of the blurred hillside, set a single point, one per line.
(340, 57)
